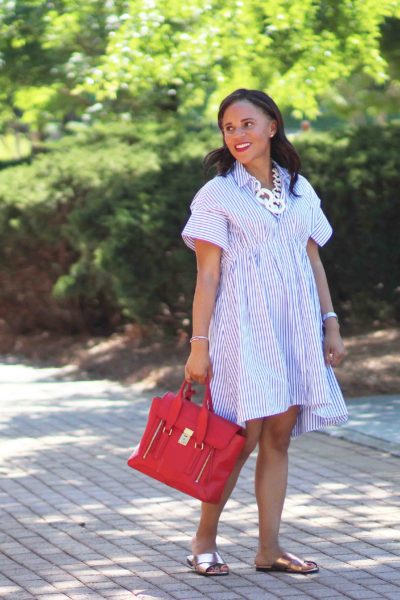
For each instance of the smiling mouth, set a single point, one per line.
(242, 147)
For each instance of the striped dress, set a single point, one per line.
(266, 338)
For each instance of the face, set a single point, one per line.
(247, 131)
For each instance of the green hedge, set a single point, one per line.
(91, 229)
(357, 176)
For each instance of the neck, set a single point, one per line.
(261, 169)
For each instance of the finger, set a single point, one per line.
(203, 378)
(330, 357)
(339, 356)
(197, 378)
(327, 351)
(338, 359)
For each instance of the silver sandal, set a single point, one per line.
(202, 563)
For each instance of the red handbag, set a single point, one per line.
(188, 446)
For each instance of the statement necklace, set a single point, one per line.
(272, 200)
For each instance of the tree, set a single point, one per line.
(360, 98)
(198, 51)
(66, 57)
(46, 48)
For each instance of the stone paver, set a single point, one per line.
(373, 421)
(77, 523)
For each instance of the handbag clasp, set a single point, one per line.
(185, 437)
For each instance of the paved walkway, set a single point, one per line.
(77, 523)
(373, 421)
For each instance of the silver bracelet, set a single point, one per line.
(198, 337)
(328, 315)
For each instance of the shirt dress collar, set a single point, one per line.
(243, 177)
(240, 174)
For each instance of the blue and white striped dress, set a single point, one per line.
(266, 340)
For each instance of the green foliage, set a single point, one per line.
(357, 177)
(116, 205)
(46, 48)
(63, 60)
(100, 221)
(13, 148)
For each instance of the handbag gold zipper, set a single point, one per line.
(203, 467)
(152, 439)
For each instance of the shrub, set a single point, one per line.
(357, 177)
(91, 229)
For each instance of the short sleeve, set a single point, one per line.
(207, 222)
(321, 229)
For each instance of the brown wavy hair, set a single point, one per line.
(282, 151)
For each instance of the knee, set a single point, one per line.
(248, 448)
(278, 442)
(253, 434)
(276, 435)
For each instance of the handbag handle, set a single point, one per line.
(202, 421)
(176, 407)
(207, 400)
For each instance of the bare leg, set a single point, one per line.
(206, 535)
(271, 481)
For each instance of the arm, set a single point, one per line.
(333, 344)
(208, 256)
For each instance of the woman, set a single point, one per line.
(264, 329)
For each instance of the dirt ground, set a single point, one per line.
(371, 366)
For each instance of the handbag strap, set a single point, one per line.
(207, 401)
(202, 421)
(186, 391)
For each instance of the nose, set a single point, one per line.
(239, 132)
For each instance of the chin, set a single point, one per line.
(243, 159)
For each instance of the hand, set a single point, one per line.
(198, 366)
(334, 350)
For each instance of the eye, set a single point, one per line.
(248, 124)
(228, 128)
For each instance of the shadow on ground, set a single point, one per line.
(69, 495)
